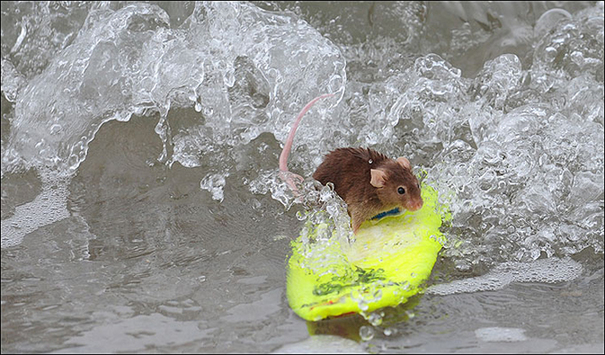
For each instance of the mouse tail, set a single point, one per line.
(283, 158)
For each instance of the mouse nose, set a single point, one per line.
(415, 205)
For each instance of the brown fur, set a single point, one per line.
(365, 179)
(349, 169)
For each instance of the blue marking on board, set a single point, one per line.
(394, 211)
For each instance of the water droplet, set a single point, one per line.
(55, 129)
(577, 58)
(366, 333)
(375, 319)
(550, 54)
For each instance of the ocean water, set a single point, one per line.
(142, 209)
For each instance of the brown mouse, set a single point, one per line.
(369, 182)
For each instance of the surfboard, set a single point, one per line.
(384, 265)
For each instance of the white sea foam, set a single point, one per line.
(544, 270)
(48, 207)
(497, 334)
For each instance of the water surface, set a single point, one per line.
(141, 207)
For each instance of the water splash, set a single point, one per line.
(514, 147)
(214, 183)
(239, 66)
(242, 69)
(516, 151)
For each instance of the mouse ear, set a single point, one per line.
(379, 178)
(404, 162)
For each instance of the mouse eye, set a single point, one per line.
(401, 190)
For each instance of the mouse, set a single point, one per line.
(371, 184)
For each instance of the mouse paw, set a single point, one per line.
(292, 180)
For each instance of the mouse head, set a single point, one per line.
(396, 185)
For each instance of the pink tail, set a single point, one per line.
(283, 158)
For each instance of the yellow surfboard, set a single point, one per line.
(385, 265)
